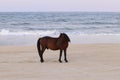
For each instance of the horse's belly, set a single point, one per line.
(53, 47)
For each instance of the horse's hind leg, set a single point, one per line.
(41, 55)
(41, 50)
(65, 55)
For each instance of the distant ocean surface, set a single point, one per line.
(25, 27)
(51, 23)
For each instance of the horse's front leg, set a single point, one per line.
(60, 56)
(65, 56)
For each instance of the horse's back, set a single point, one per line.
(49, 42)
(48, 39)
(53, 43)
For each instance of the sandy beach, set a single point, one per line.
(86, 62)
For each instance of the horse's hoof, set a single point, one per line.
(66, 60)
(60, 61)
(42, 61)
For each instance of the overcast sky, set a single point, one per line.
(59, 5)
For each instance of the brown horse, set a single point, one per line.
(60, 43)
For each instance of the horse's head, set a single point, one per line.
(64, 36)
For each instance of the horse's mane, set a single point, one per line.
(66, 37)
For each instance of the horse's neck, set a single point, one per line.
(61, 40)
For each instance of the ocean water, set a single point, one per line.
(43, 23)
(54, 23)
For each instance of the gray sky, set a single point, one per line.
(59, 5)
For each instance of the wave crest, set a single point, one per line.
(47, 32)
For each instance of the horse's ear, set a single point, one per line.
(61, 33)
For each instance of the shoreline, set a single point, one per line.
(75, 39)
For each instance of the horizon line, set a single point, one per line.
(62, 11)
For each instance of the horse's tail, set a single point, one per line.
(39, 50)
(38, 47)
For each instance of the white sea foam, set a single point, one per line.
(40, 32)
(46, 33)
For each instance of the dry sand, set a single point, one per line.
(86, 62)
